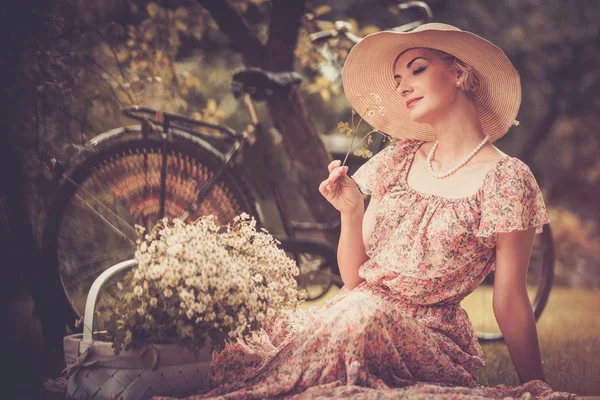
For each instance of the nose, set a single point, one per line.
(403, 89)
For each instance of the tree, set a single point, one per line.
(289, 114)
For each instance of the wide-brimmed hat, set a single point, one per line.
(369, 86)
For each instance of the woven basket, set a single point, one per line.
(95, 372)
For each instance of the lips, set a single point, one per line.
(411, 101)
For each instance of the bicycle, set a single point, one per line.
(169, 166)
(174, 166)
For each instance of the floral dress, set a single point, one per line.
(402, 331)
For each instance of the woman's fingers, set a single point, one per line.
(323, 186)
(332, 165)
(336, 173)
(331, 185)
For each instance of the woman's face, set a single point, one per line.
(421, 75)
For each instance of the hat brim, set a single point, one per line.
(370, 89)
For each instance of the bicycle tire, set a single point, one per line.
(114, 170)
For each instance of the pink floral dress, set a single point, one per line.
(402, 331)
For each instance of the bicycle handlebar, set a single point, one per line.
(345, 27)
(169, 119)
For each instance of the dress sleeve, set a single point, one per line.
(512, 200)
(370, 176)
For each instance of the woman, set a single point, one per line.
(446, 208)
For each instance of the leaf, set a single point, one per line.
(149, 35)
(344, 127)
(211, 106)
(127, 338)
(152, 9)
(181, 26)
(181, 13)
(354, 24)
(368, 29)
(322, 10)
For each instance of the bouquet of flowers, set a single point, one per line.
(200, 280)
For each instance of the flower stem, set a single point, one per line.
(359, 142)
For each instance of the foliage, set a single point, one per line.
(200, 280)
(577, 245)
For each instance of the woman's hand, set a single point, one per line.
(345, 197)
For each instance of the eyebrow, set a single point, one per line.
(409, 64)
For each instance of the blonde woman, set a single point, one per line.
(446, 208)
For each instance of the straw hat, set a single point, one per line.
(370, 87)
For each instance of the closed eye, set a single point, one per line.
(416, 71)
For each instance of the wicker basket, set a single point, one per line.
(96, 373)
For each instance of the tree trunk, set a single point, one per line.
(308, 158)
(20, 338)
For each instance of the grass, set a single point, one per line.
(569, 335)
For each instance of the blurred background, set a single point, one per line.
(70, 66)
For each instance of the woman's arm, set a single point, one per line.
(345, 196)
(356, 230)
(511, 304)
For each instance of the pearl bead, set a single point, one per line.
(458, 166)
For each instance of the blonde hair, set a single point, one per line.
(470, 82)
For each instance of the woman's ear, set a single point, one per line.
(458, 74)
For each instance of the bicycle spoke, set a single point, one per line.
(86, 240)
(97, 271)
(104, 257)
(114, 228)
(105, 207)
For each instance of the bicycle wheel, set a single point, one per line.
(540, 276)
(91, 219)
(317, 263)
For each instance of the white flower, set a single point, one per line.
(376, 97)
(230, 277)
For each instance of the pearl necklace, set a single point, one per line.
(457, 167)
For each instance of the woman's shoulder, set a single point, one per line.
(510, 174)
(509, 168)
